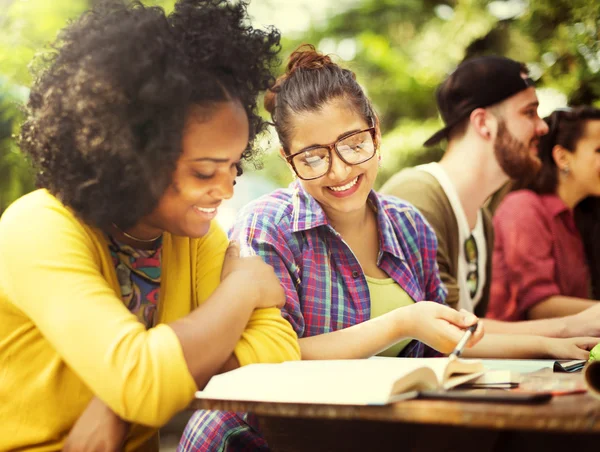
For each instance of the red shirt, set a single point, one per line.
(538, 253)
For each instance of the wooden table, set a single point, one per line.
(568, 423)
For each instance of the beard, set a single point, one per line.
(514, 157)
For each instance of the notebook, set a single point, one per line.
(341, 382)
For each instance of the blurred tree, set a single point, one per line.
(15, 172)
(402, 49)
(567, 33)
(26, 30)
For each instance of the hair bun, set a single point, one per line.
(271, 98)
(304, 57)
(307, 57)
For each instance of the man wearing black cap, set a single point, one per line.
(489, 108)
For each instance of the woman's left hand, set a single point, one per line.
(98, 429)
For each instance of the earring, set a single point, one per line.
(565, 170)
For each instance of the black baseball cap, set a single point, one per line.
(476, 83)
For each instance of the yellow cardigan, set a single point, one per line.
(65, 334)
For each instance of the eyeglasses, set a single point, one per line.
(472, 258)
(353, 148)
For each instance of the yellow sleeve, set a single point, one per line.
(50, 270)
(268, 337)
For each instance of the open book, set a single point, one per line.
(495, 379)
(374, 381)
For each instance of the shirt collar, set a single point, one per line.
(554, 204)
(388, 239)
(558, 209)
(308, 214)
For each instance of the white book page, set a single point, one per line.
(351, 382)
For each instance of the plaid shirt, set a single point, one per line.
(326, 289)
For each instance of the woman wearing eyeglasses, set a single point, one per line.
(356, 266)
(546, 253)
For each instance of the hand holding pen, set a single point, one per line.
(440, 326)
(463, 341)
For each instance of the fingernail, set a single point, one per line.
(469, 319)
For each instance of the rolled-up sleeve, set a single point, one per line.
(263, 238)
(268, 337)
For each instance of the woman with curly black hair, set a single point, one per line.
(118, 296)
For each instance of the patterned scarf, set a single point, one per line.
(138, 273)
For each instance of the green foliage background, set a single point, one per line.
(400, 50)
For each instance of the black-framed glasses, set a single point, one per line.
(352, 148)
(472, 258)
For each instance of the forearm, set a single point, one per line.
(509, 346)
(558, 306)
(232, 363)
(209, 334)
(542, 327)
(358, 341)
(98, 428)
(267, 338)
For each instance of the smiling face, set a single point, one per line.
(345, 187)
(518, 135)
(205, 172)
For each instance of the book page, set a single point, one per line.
(518, 365)
(345, 382)
(459, 371)
(499, 377)
(446, 369)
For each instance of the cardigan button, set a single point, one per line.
(355, 274)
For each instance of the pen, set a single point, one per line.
(463, 341)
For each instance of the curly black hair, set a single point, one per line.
(105, 118)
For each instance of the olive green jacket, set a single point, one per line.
(423, 190)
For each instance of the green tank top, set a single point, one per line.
(386, 296)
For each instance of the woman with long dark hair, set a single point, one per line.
(546, 253)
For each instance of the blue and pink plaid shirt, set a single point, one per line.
(325, 286)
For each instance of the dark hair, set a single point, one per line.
(478, 82)
(106, 118)
(310, 81)
(587, 219)
(566, 128)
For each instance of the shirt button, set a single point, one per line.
(355, 274)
